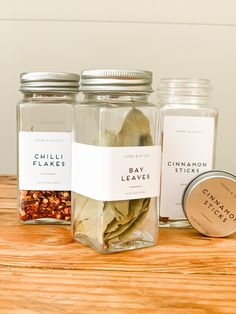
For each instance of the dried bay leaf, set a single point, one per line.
(145, 140)
(115, 228)
(86, 220)
(134, 225)
(129, 227)
(108, 215)
(135, 130)
(133, 212)
(120, 208)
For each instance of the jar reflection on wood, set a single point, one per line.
(188, 124)
(115, 162)
(44, 146)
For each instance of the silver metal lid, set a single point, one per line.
(209, 203)
(49, 81)
(116, 80)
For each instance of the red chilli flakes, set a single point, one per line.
(45, 204)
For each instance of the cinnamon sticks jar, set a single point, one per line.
(44, 117)
(188, 126)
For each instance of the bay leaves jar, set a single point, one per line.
(44, 118)
(115, 161)
(188, 126)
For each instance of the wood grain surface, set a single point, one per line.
(43, 270)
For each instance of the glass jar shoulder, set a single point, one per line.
(96, 121)
(34, 115)
(45, 101)
(188, 110)
(115, 103)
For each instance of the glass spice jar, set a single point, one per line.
(188, 126)
(44, 119)
(115, 162)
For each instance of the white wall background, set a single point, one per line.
(173, 38)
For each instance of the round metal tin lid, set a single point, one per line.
(209, 203)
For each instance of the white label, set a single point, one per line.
(115, 173)
(187, 151)
(45, 161)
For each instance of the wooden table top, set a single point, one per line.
(43, 270)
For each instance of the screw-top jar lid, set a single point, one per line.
(49, 81)
(209, 203)
(116, 80)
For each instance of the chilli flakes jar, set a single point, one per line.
(44, 146)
